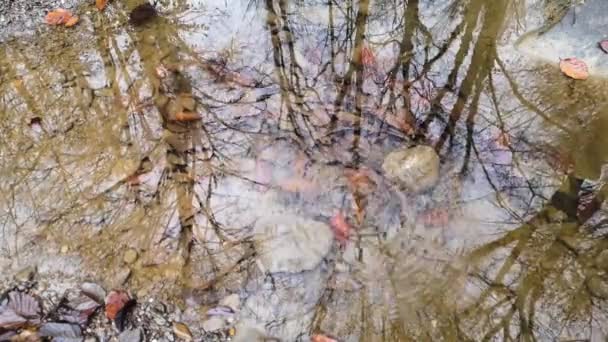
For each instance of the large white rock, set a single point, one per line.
(288, 243)
(415, 168)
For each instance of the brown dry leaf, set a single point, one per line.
(604, 45)
(101, 4)
(59, 16)
(186, 116)
(574, 68)
(73, 21)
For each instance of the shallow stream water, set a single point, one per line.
(299, 104)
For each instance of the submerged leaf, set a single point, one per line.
(59, 16)
(574, 68)
(604, 45)
(186, 116)
(322, 338)
(340, 227)
(101, 4)
(71, 22)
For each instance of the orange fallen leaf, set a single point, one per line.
(322, 338)
(73, 21)
(360, 181)
(101, 4)
(574, 68)
(59, 16)
(186, 116)
(115, 302)
(340, 227)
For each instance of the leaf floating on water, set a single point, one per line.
(187, 116)
(322, 338)
(59, 16)
(101, 4)
(142, 14)
(604, 45)
(574, 68)
(340, 227)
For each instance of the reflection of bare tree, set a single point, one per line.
(148, 180)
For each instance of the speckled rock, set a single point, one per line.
(415, 169)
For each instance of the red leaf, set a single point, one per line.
(604, 45)
(116, 301)
(574, 68)
(340, 227)
(367, 56)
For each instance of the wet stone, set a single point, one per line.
(93, 291)
(598, 286)
(182, 331)
(133, 335)
(415, 168)
(130, 256)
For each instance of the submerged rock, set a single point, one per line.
(288, 243)
(415, 168)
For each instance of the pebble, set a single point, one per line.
(26, 274)
(182, 331)
(94, 291)
(233, 301)
(130, 256)
(214, 324)
(64, 249)
(415, 168)
(133, 335)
